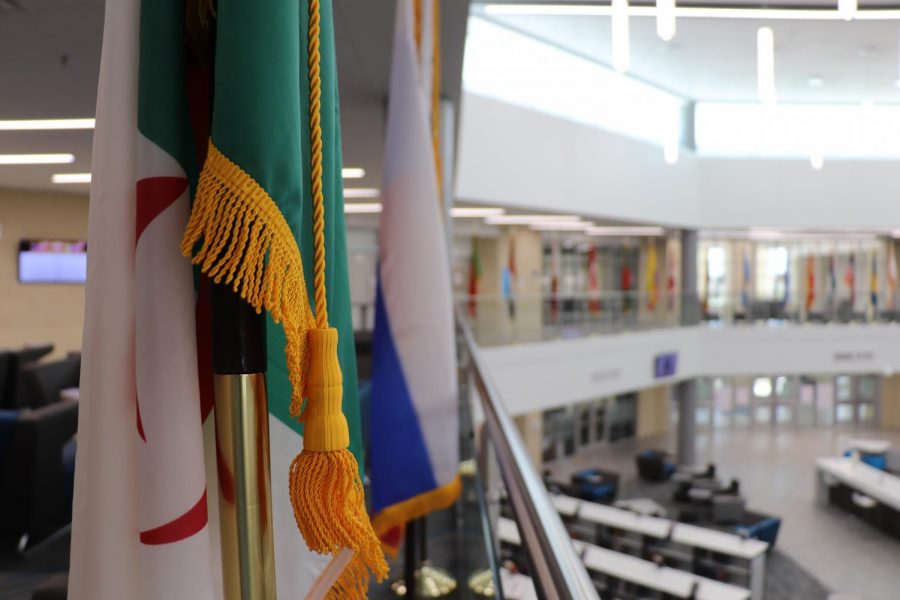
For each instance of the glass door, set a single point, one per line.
(806, 402)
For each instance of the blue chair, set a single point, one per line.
(595, 485)
(760, 527)
(876, 461)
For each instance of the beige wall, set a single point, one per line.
(37, 312)
(653, 411)
(890, 402)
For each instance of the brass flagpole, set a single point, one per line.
(241, 409)
(242, 448)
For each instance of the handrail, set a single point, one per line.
(556, 569)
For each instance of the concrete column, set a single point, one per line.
(690, 306)
(686, 445)
(686, 391)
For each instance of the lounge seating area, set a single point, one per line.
(37, 444)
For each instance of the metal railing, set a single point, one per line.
(555, 567)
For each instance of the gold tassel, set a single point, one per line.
(326, 493)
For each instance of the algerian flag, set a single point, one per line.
(145, 514)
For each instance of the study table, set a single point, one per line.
(728, 544)
(875, 483)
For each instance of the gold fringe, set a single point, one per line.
(353, 583)
(330, 511)
(247, 244)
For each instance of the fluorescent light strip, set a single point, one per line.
(561, 226)
(71, 178)
(847, 9)
(363, 208)
(36, 159)
(361, 192)
(690, 12)
(353, 172)
(46, 124)
(528, 219)
(765, 65)
(616, 231)
(621, 44)
(665, 19)
(475, 211)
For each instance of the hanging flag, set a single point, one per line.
(414, 445)
(873, 280)
(474, 278)
(139, 527)
(626, 281)
(850, 278)
(593, 268)
(832, 279)
(554, 279)
(652, 276)
(508, 278)
(670, 278)
(746, 275)
(810, 282)
(145, 524)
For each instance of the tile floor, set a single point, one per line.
(775, 468)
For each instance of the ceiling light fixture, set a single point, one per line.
(691, 12)
(363, 208)
(625, 230)
(765, 65)
(353, 172)
(475, 211)
(528, 219)
(621, 45)
(665, 19)
(45, 124)
(361, 192)
(71, 178)
(36, 159)
(561, 226)
(847, 9)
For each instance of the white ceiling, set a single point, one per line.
(716, 59)
(49, 64)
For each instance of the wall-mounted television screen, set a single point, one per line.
(52, 261)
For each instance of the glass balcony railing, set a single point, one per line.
(500, 320)
(538, 558)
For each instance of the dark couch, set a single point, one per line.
(43, 382)
(12, 392)
(35, 482)
(653, 465)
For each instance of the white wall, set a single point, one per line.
(791, 194)
(514, 156)
(538, 376)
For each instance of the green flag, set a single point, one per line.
(254, 216)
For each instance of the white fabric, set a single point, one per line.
(105, 563)
(414, 271)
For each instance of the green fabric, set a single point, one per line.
(162, 106)
(261, 122)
